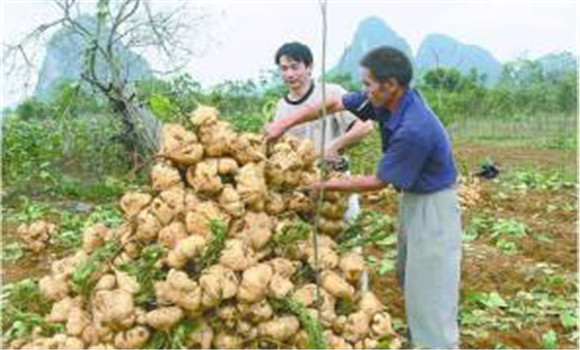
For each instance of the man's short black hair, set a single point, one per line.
(386, 62)
(296, 51)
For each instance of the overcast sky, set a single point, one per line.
(245, 34)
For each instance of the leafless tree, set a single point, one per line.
(136, 25)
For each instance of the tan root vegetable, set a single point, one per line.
(180, 146)
(280, 287)
(227, 166)
(133, 202)
(228, 315)
(357, 326)
(54, 287)
(246, 330)
(256, 312)
(198, 220)
(61, 309)
(204, 116)
(106, 282)
(339, 324)
(337, 342)
(297, 201)
(148, 226)
(216, 136)
(36, 236)
(164, 176)
(370, 304)
(169, 204)
(275, 203)
(218, 283)
(179, 290)
(280, 328)
(334, 211)
(77, 321)
(95, 236)
(352, 265)
(306, 294)
(171, 234)
(252, 185)
(217, 139)
(238, 255)
(327, 258)
(254, 283)
(227, 341)
(204, 177)
(126, 282)
(249, 148)
(228, 282)
(336, 285)
(134, 338)
(114, 309)
(191, 200)
(231, 202)
(331, 227)
(184, 250)
(284, 267)
(164, 319)
(306, 151)
(257, 229)
(381, 324)
(201, 337)
(327, 308)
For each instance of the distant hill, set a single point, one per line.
(371, 32)
(64, 60)
(438, 50)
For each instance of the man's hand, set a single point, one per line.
(331, 153)
(274, 130)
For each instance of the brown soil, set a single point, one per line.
(484, 267)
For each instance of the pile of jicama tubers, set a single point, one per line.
(224, 213)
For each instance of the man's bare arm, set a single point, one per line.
(309, 112)
(358, 131)
(354, 184)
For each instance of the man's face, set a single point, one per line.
(379, 94)
(295, 74)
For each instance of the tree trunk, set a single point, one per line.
(142, 129)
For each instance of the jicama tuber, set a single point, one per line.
(164, 176)
(180, 145)
(133, 202)
(254, 284)
(165, 318)
(184, 250)
(279, 329)
(134, 338)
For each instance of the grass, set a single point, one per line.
(558, 131)
(22, 307)
(83, 277)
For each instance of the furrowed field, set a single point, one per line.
(64, 163)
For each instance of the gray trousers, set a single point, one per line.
(428, 266)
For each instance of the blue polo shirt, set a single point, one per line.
(417, 154)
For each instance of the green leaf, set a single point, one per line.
(550, 340)
(386, 266)
(494, 300)
(569, 320)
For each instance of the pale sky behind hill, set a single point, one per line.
(244, 35)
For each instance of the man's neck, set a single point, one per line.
(393, 104)
(297, 94)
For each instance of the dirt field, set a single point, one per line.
(535, 277)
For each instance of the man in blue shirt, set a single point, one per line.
(418, 161)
